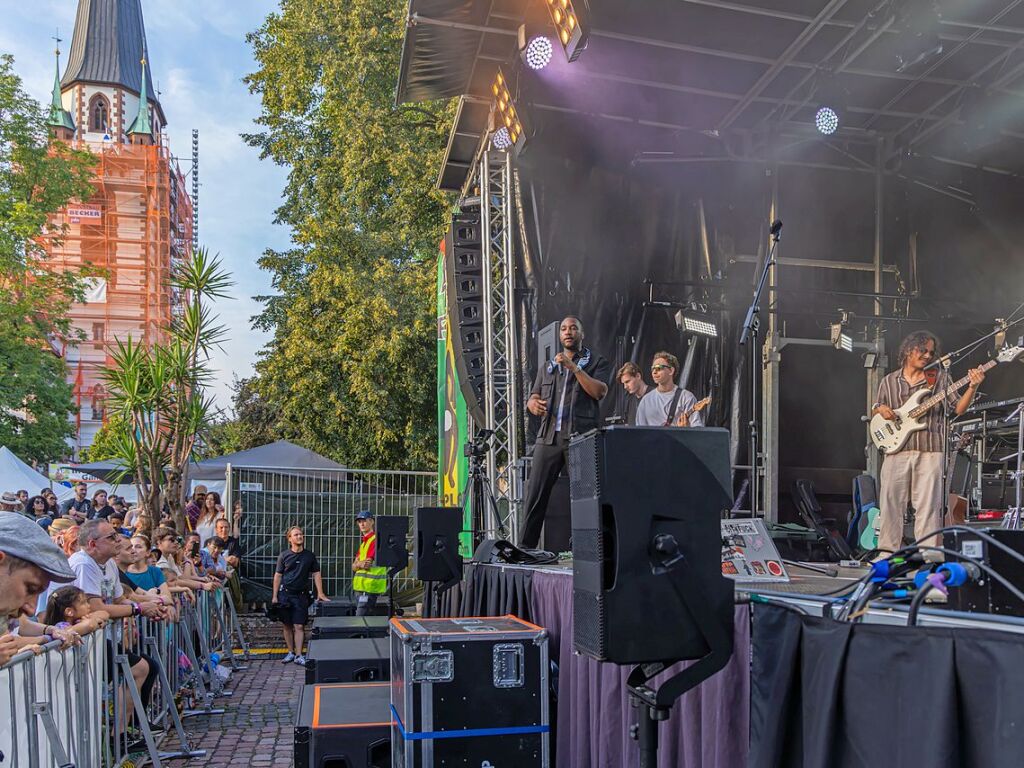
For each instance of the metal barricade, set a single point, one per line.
(51, 705)
(82, 706)
(324, 502)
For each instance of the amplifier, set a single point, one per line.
(346, 606)
(347, 661)
(343, 725)
(348, 627)
(988, 595)
(469, 692)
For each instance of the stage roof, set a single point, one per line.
(747, 77)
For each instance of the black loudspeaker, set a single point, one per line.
(344, 726)
(988, 595)
(437, 543)
(464, 281)
(548, 343)
(392, 531)
(646, 509)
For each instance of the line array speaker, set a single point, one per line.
(464, 280)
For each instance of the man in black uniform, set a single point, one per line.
(566, 396)
(291, 591)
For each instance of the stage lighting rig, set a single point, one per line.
(570, 25)
(831, 101)
(500, 139)
(699, 323)
(507, 112)
(837, 332)
(535, 47)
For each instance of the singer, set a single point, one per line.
(914, 473)
(566, 396)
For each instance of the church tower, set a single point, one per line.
(138, 222)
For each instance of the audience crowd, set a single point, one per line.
(69, 569)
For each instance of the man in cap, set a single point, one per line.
(369, 582)
(9, 502)
(28, 562)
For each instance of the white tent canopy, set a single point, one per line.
(15, 475)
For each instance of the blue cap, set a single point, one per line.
(364, 515)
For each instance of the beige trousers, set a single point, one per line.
(914, 477)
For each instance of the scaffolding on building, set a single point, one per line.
(134, 229)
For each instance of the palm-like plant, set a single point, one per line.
(159, 390)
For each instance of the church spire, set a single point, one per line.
(60, 118)
(142, 126)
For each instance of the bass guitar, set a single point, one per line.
(890, 435)
(697, 407)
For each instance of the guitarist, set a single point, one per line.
(914, 473)
(667, 405)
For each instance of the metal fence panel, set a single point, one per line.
(324, 503)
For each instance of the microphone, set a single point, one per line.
(939, 361)
(775, 228)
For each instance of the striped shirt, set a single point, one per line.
(894, 390)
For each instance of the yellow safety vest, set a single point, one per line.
(373, 580)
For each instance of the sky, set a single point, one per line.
(198, 56)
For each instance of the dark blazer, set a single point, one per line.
(584, 412)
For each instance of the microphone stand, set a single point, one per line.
(751, 325)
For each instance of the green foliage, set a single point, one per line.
(36, 180)
(253, 422)
(350, 371)
(157, 394)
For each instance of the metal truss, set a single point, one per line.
(501, 395)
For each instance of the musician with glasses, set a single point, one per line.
(667, 404)
(913, 474)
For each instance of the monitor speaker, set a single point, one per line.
(437, 543)
(392, 532)
(464, 281)
(646, 509)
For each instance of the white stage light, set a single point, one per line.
(538, 52)
(826, 120)
(501, 140)
(700, 324)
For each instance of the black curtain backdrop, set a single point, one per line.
(827, 694)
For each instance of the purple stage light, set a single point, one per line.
(538, 52)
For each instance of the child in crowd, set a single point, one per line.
(68, 608)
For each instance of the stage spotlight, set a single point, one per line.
(826, 120)
(696, 322)
(837, 333)
(508, 114)
(538, 51)
(500, 139)
(569, 25)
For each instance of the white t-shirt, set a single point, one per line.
(93, 579)
(653, 408)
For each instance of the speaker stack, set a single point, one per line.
(465, 293)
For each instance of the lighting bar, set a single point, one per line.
(693, 322)
(508, 113)
(569, 26)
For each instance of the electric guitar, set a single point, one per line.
(890, 436)
(697, 407)
(869, 537)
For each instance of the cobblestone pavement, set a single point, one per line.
(257, 725)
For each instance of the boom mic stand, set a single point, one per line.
(751, 325)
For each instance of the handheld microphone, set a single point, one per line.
(776, 228)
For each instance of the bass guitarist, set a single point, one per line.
(914, 473)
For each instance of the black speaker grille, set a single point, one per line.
(588, 622)
(584, 478)
(586, 545)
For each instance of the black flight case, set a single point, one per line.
(343, 725)
(348, 627)
(469, 692)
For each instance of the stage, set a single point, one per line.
(712, 726)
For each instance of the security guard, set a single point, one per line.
(369, 581)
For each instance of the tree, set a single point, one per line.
(158, 393)
(253, 422)
(348, 371)
(37, 178)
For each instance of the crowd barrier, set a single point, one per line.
(324, 502)
(80, 707)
